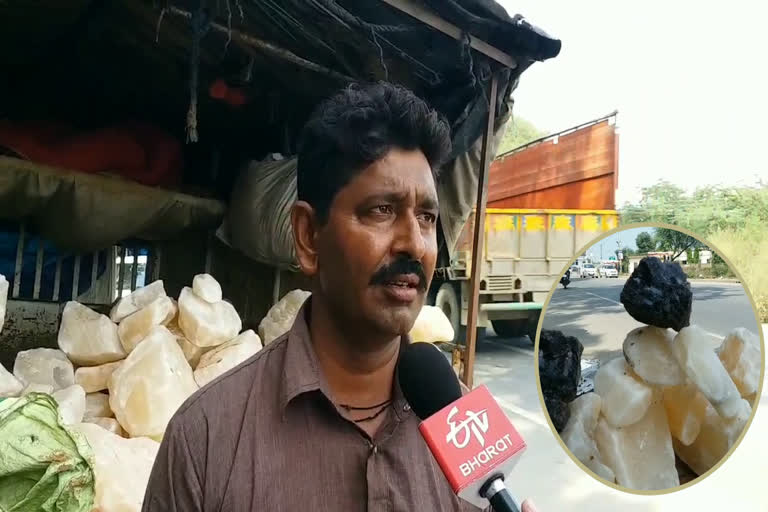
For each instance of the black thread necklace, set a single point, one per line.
(383, 406)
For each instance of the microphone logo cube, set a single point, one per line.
(475, 423)
(471, 439)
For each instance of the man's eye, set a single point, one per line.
(383, 209)
(429, 217)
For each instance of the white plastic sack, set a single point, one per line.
(259, 219)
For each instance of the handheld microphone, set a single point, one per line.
(471, 438)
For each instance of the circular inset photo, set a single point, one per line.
(650, 359)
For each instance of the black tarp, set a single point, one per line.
(91, 62)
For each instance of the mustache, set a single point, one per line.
(399, 267)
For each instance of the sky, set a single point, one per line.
(626, 238)
(688, 79)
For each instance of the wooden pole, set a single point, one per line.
(477, 241)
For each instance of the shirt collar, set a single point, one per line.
(301, 370)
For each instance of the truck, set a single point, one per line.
(546, 201)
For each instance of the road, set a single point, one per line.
(555, 483)
(589, 309)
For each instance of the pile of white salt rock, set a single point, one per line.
(671, 394)
(118, 379)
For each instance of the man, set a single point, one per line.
(316, 420)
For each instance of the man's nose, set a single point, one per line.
(409, 238)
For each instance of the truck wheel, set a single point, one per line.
(447, 299)
(533, 325)
(510, 328)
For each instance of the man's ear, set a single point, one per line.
(305, 227)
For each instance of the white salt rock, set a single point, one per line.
(71, 402)
(87, 337)
(640, 454)
(34, 387)
(716, 437)
(601, 470)
(191, 351)
(579, 433)
(282, 315)
(702, 366)
(139, 299)
(207, 288)
(46, 366)
(3, 299)
(97, 406)
(121, 468)
(431, 326)
(9, 385)
(733, 427)
(625, 398)
(95, 378)
(135, 328)
(741, 356)
(206, 324)
(225, 357)
(109, 424)
(648, 352)
(150, 385)
(686, 407)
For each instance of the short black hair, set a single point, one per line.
(358, 126)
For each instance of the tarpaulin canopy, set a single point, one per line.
(91, 62)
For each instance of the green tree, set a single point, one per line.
(675, 241)
(658, 203)
(645, 243)
(706, 210)
(733, 219)
(519, 132)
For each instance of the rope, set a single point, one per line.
(201, 23)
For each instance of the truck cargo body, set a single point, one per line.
(546, 201)
(524, 253)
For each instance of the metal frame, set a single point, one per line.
(124, 270)
(436, 22)
(562, 133)
(433, 20)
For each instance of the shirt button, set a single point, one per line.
(406, 407)
(375, 449)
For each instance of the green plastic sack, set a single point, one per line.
(43, 465)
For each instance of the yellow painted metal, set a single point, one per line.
(550, 212)
(534, 245)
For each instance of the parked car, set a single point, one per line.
(588, 270)
(575, 271)
(609, 271)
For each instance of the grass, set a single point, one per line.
(747, 250)
(716, 271)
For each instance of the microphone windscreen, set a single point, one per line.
(427, 379)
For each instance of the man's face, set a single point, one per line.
(377, 251)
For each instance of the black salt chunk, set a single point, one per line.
(559, 365)
(659, 294)
(558, 412)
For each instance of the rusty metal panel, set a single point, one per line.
(579, 156)
(28, 324)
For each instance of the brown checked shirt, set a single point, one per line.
(266, 436)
